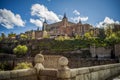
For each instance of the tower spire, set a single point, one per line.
(80, 21)
(45, 21)
(64, 15)
(44, 25)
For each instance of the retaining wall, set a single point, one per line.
(102, 72)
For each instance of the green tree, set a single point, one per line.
(78, 37)
(108, 30)
(89, 35)
(112, 39)
(60, 38)
(101, 33)
(20, 50)
(0, 38)
(23, 65)
(11, 35)
(23, 36)
(3, 35)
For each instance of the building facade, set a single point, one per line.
(65, 27)
(62, 28)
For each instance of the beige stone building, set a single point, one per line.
(65, 27)
(62, 28)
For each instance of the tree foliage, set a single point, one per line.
(20, 49)
(23, 36)
(11, 35)
(23, 65)
(3, 35)
(0, 38)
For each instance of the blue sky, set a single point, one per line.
(21, 15)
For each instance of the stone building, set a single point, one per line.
(62, 28)
(34, 34)
(65, 27)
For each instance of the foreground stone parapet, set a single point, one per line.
(64, 70)
(63, 61)
(22, 74)
(39, 59)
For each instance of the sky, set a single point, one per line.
(18, 16)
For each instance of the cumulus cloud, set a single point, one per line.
(60, 17)
(76, 12)
(8, 19)
(37, 22)
(76, 19)
(42, 12)
(107, 20)
(84, 18)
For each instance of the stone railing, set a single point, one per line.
(24, 74)
(102, 72)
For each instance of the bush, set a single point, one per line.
(20, 49)
(4, 66)
(23, 65)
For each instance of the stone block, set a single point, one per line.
(94, 76)
(83, 70)
(87, 76)
(4, 75)
(107, 73)
(48, 72)
(14, 74)
(79, 77)
(22, 73)
(101, 75)
(73, 72)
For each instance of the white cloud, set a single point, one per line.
(37, 22)
(60, 17)
(76, 12)
(8, 19)
(84, 18)
(42, 12)
(107, 20)
(76, 19)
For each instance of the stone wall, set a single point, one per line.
(76, 62)
(117, 50)
(24, 74)
(51, 61)
(100, 52)
(102, 72)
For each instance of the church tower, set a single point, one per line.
(65, 20)
(44, 25)
(45, 34)
(79, 21)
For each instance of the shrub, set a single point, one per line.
(4, 66)
(23, 65)
(20, 49)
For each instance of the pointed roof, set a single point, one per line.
(80, 21)
(45, 21)
(38, 29)
(64, 16)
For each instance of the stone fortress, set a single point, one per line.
(62, 28)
